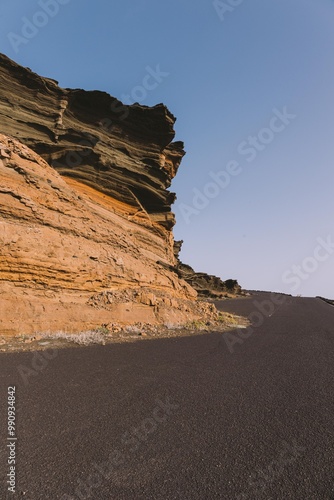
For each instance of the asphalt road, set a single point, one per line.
(244, 416)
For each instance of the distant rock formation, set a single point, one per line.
(206, 285)
(85, 215)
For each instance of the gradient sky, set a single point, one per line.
(225, 70)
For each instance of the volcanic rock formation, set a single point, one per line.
(85, 214)
(90, 137)
(206, 285)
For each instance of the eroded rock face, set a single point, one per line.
(125, 152)
(64, 244)
(85, 213)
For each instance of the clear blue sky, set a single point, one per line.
(224, 72)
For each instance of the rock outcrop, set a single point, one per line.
(85, 212)
(206, 285)
(75, 258)
(125, 152)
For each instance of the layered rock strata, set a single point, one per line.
(125, 152)
(74, 258)
(85, 212)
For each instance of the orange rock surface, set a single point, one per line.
(63, 245)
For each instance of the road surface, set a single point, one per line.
(244, 416)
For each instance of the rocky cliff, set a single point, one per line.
(85, 213)
(125, 152)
